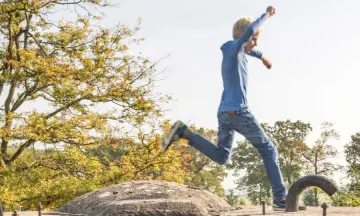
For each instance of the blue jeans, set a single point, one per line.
(247, 125)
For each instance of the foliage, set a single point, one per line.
(93, 100)
(245, 158)
(352, 155)
(319, 154)
(54, 177)
(321, 151)
(289, 138)
(309, 198)
(97, 120)
(207, 174)
(71, 70)
(234, 199)
(314, 196)
(345, 198)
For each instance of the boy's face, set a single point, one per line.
(253, 41)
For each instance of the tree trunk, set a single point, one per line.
(288, 176)
(261, 196)
(316, 197)
(2, 163)
(315, 189)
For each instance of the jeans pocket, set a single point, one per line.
(248, 118)
(255, 128)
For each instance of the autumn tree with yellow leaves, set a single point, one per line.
(78, 109)
(80, 77)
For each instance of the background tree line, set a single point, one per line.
(297, 159)
(79, 112)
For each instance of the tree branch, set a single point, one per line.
(21, 149)
(9, 56)
(10, 96)
(307, 157)
(202, 166)
(21, 99)
(38, 43)
(64, 107)
(4, 144)
(2, 163)
(62, 3)
(8, 120)
(26, 35)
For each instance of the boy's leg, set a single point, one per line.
(249, 127)
(219, 153)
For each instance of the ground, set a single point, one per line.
(156, 198)
(253, 210)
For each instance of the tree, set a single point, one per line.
(319, 154)
(98, 120)
(352, 155)
(245, 158)
(54, 177)
(71, 69)
(289, 138)
(89, 90)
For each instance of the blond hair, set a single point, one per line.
(241, 25)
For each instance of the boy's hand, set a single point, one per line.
(266, 62)
(270, 11)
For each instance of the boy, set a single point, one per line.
(233, 112)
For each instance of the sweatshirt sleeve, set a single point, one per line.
(255, 53)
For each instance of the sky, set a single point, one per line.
(313, 46)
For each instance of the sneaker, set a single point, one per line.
(279, 205)
(174, 134)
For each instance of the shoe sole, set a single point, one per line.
(167, 140)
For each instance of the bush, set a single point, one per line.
(346, 199)
(233, 199)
